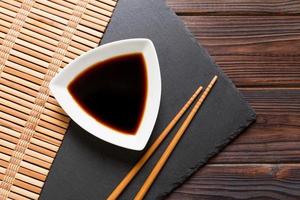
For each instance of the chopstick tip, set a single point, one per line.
(214, 79)
(199, 89)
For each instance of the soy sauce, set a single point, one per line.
(113, 91)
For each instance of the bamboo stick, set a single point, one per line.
(25, 171)
(28, 111)
(10, 125)
(27, 186)
(24, 192)
(34, 168)
(7, 11)
(57, 109)
(81, 38)
(27, 158)
(31, 36)
(89, 30)
(50, 154)
(76, 41)
(63, 119)
(44, 29)
(99, 14)
(10, 142)
(5, 23)
(26, 90)
(33, 182)
(38, 155)
(109, 2)
(57, 9)
(4, 30)
(102, 24)
(26, 64)
(163, 159)
(49, 132)
(21, 118)
(44, 44)
(24, 69)
(137, 167)
(94, 23)
(22, 184)
(60, 120)
(48, 139)
(57, 124)
(46, 131)
(59, 22)
(10, 113)
(15, 106)
(6, 87)
(34, 53)
(20, 81)
(43, 142)
(102, 5)
(25, 165)
(102, 10)
(97, 9)
(25, 76)
(13, 137)
(2, 35)
(87, 36)
(93, 5)
(40, 49)
(27, 179)
(11, 118)
(16, 196)
(29, 58)
(53, 17)
(52, 100)
(68, 9)
(85, 27)
(38, 41)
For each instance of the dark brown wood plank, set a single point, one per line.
(233, 7)
(257, 45)
(275, 137)
(251, 181)
(252, 51)
(274, 101)
(272, 139)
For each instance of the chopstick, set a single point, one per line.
(123, 184)
(159, 165)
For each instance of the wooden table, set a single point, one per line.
(257, 44)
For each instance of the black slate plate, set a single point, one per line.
(88, 168)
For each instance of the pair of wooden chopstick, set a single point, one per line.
(159, 165)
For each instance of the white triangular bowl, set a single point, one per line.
(60, 82)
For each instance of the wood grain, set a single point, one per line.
(233, 7)
(270, 140)
(252, 50)
(275, 137)
(255, 181)
(257, 44)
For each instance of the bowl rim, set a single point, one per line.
(58, 87)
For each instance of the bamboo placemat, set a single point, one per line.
(37, 39)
